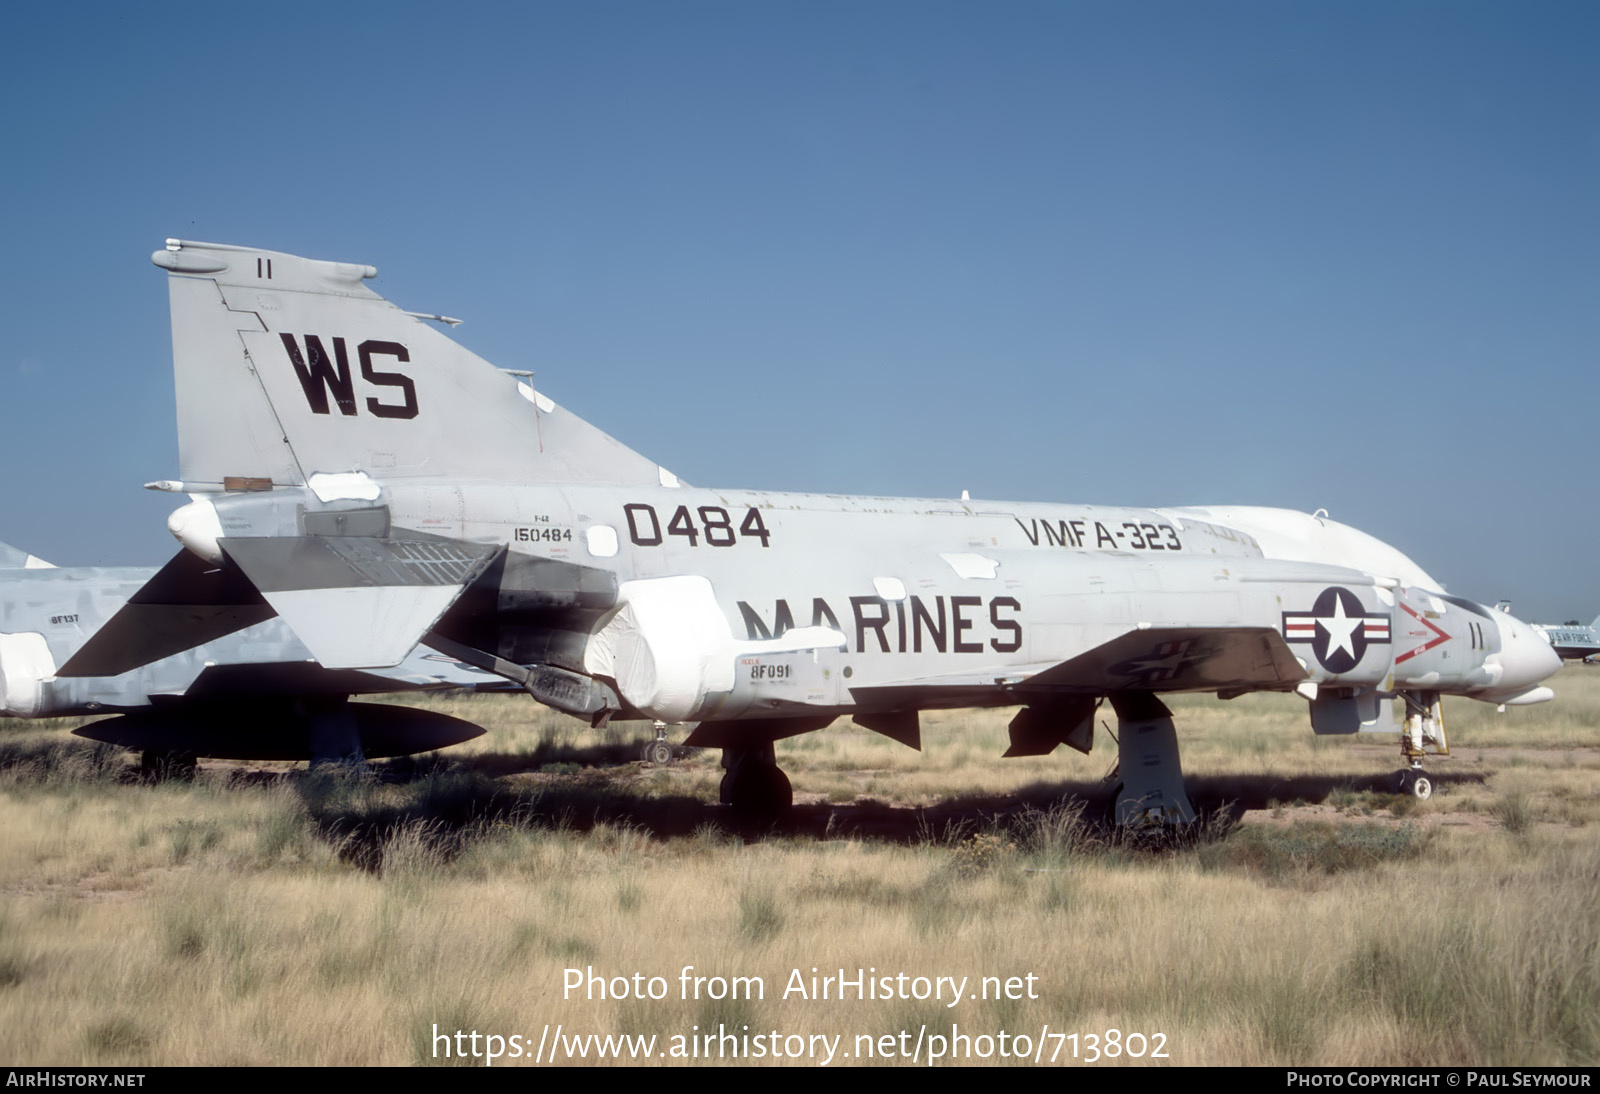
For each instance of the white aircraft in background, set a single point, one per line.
(248, 691)
(1571, 640)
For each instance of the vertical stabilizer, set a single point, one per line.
(288, 366)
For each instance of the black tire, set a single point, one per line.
(758, 794)
(658, 753)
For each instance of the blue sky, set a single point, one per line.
(1337, 255)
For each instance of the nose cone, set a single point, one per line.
(1525, 656)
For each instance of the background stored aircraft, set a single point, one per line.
(248, 692)
(1571, 640)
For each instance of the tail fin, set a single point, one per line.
(12, 558)
(287, 367)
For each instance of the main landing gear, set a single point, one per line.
(658, 751)
(756, 792)
(755, 789)
(1421, 736)
(1151, 793)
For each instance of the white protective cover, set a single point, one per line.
(25, 664)
(668, 646)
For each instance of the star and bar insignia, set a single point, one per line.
(1162, 665)
(1339, 629)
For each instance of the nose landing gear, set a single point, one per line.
(1421, 736)
(1415, 782)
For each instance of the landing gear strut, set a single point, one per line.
(1151, 792)
(755, 789)
(1422, 735)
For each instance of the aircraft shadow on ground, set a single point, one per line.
(451, 803)
(448, 803)
(495, 764)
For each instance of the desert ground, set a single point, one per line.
(543, 876)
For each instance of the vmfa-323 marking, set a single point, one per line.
(379, 486)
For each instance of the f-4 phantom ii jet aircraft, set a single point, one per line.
(253, 692)
(378, 486)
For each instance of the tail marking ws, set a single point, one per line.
(319, 376)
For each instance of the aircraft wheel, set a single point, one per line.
(758, 794)
(658, 753)
(1416, 783)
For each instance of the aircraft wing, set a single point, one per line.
(1180, 659)
(1172, 658)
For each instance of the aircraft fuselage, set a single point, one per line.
(960, 602)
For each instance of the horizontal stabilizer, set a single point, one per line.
(356, 601)
(188, 603)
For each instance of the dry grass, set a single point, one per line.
(260, 915)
